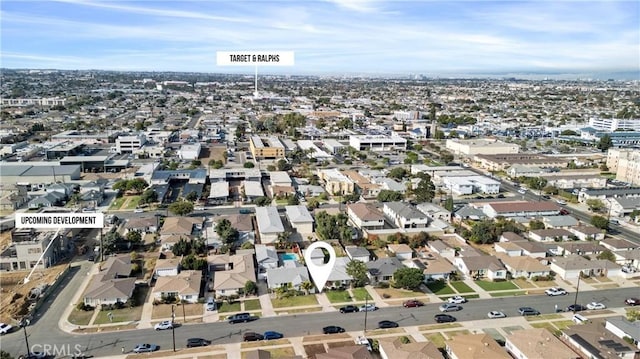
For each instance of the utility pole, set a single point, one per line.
(366, 305)
(173, 328)
(23, 324)
(575, 301)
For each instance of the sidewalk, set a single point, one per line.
(323, 300)
(377, 299)
(479, 291)
(63, 323)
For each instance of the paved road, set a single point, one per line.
(45, 330)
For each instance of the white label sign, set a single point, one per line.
(59, 220)
(248, 58)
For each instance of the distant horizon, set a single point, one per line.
(369, 37)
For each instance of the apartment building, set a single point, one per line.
(625, 163)
(129, 143)
(377, 143)
(335, 182)
(614, 124)
(28, 245)
(269, 148)
(481, 147)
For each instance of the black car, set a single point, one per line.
(332, 329)
(525, 311)
(349, 309)
(576, 308)
(387, 324)
(197, 342)
(252, 337)
(240, 318)
(444, 318)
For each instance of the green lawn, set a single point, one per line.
(338, 296)
(461, 287)
(133, 202)
(119, 315)
(436, 339)
(80, 317)
(117, 203)
(508, 294)
(440, 288)
(490, 286)
(295, 301)
(252, 304)
(225, 307)
(361, 294)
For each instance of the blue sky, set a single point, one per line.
(333, 36)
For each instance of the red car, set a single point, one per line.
(412, 303)
(632, 301)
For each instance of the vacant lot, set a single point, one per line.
(163, 311)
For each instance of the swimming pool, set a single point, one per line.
(288, 257)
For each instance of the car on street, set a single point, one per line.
(271, 335)
(332, 329)
(444, 318)
(522, 191)
(33, 355)
(448, 307)
(576, 308)
(632, 301)
(494, 314)
(164, 325)
(561, 202)
(368, 308)
(412, 303)
(244, 211)
(554, 291)
(457, 299)
(197, 342)
(525, 311)
(5, 328)
(138, 210)
(348, 309)
(240, 318)
(252, 337)
(91, 258)
(596, 306)
(545, 196)
(145, 348)
(385, 324)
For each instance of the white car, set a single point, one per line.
(367, 308)
(495, 314)
(522, 191)
(595, 306)
(552, 292)
(138, 210)
(457, 300)
(211, 305)
(5, 328)
(163, 325)
(561, 202)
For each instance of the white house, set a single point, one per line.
(168, 267)
(189, 152)
(300, 219)
(481, 267)
(358, 253)
(402, 251)
(405, 216)
(269, 224)
(185, 286)
(365, 216)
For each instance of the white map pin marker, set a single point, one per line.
(320, 272)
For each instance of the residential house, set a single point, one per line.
(622, 328)
(580, 248)
(570, 267)
(537, 343)
(243, 223)
(141, 224)
(363, 185)
(291, 275)
(184, 287)
(231, 272)
(630, 259)
(346, 352)
(520, 209)
(393, 348)
(618, 244)
(532, 249)
(442, 249)
(266, 257)
(469, 212)
(182, 226)
(524, 267)
(511, 237)
(592, 340)
(509, 248)
(550, 235)
(365, 216)
(49, 199)
(269, 224)
(252, 190)
(335, 182)
(587, 233)
(263, 354)
(382, 269)
(404, 215)
(280, 178)
(623, 206)
(401, 251)
(481, 266)
(300, 219)
(559, 222)
(167, 267)
(112, 284)
(339, 278)
(433, 266)
(361, 254)
(474, 346)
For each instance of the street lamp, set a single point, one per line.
(23, 324)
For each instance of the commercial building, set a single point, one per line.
(625, 163)
(40, 174)
(20, 102)
(500, 162)
(333, 146)
(471, 184)
(480, 147)
(377, 143)
(190, 152)
(614, 124)
(129, 143)
(269, 148)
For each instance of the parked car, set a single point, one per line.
(367, 308)
(244, 211)
(138, 210)
(197, 342)
(163, 325)
(448, 307)
(444, 318)
(632, 301)
(387, 324)
(270, 335)
(546, 196)
(596, 306)
(252, 337)
(576, 308)
(33, 355)
(145, 348)
(412, 303)
(5, 328)
(211, 305)
(457, 300)
(496, 314)
(525, 311)
(240, 318)
(332, 329)
(561, 202)
(348, 309)
(552, 292)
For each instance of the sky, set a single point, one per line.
(327, 36)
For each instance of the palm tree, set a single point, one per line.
(306, 286)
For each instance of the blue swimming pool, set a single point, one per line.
(289, 257)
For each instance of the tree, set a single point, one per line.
(192, 262)
(536, 224)
(283, 165)
(250, 288)
(358, 271)
(262, 201)
(448, 204)
(192, 196)
(148, 196)
(181, 208)
(397, 173)
(249, 165)
(389, 196)
(608, 255)
(306, 286)
(599, 222)
(134, 237)
(293, 201)
(110, 242)
(181, 248)
(425, 190)
(605, 143)
(408, 278)
(227, 233)
(595, 205)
